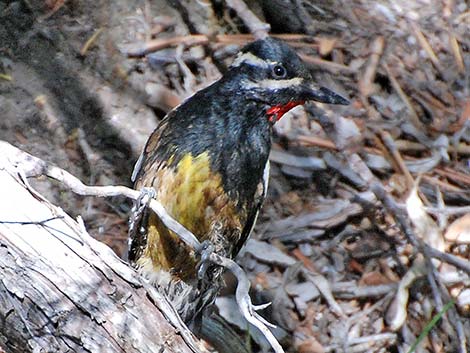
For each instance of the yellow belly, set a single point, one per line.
(194, 197)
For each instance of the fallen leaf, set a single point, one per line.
(424, 226)
(310, 345)
(396, 313)
(459, 230)
(326, 45)
(373, 278)
(268, 253)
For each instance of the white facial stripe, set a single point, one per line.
(250, 59)
(275, 84)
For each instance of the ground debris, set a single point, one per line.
(334, 261)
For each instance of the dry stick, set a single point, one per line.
(319, 281)
(454, 175)
(366, 81)
(390, 144)
(90, 42)
(385, 152)
(405, 145)
(316, 141)
(361, 168)
(379, 191)
(358, 317)
(377, 188)
(456, 261)
(244, 301)
(32, 167)
(426, 46)
(457, 52)
(158, 44)
(330, 66)
(401, 145)
(202, 39)
(442, 218)
(430, 100)
(396, 86)
(448, 211)
(240, 39)
(259, 29)
(57, 5)
(441, 183)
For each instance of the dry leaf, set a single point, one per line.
(463, 301)
(310, 345)
(268, 253)
(373, 278)
(459, 230)
(397, 313)
(326, 45)
(424, 226)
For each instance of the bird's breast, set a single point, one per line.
(192, 193)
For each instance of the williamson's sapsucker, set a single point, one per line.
(208, 162)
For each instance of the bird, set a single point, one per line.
(207, 161)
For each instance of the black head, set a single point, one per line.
(272, 73)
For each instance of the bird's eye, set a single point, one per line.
(279, 71)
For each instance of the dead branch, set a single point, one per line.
(31, 166)
(259, 29)
(61, 290)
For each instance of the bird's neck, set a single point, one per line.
(245, 147)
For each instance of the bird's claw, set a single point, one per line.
(206, 249)
(263, 320)
(252, 309)
(261, 306)
(146, 194)
(142, 202)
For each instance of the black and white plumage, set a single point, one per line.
(208, 162)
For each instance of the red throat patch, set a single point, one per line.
(275, 113)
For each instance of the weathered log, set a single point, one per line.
(63, 291)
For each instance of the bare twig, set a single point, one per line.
(257, 27)
(34, 167)
(320, 282)
(388, 141)
(90, 42)
(329, 66)
(393, 208)
(358, 317)
(396, 85)
(425, 45)
(158, 44)
(366, 81)
(462, 264)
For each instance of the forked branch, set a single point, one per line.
(30, 166)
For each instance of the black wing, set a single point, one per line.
(253, 214)
(141, 178)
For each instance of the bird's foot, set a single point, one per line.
(146, 194)
(140, 205)
(206, 249)
(252, 309)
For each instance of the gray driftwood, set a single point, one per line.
(63, 291)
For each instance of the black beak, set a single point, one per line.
(324, 95)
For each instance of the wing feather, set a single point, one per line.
(253, 215)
